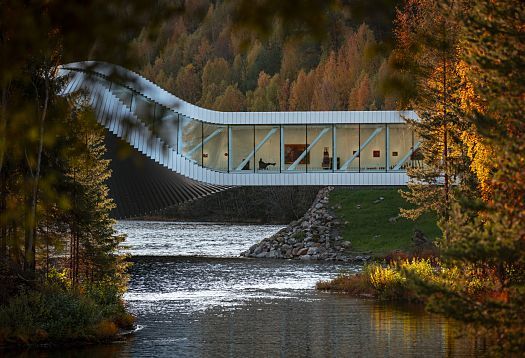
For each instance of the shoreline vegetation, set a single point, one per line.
(53, 313)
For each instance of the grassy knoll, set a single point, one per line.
(373, 225)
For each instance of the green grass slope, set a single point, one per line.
(370, 225)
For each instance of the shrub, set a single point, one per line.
(125, 320)
(104, 329)
(357, 284)
(55, 313)
(394, 281)
(388, 281)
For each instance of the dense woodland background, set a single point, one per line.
(202, 58)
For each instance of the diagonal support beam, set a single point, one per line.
(405, 158)
(303, 154)
(204, 141)
(356, 154)
(270, 133)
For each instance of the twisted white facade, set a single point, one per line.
(214, 150)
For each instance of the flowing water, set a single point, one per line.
(194, 297)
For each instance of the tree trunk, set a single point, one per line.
(3, 178)
(3, 218)
(445, 146)
(30, 244)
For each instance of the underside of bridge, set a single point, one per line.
(177, 151)
(139, 186)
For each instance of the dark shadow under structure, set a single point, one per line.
(139, 186)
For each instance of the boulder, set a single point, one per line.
(346, 244)
(302, 251)
(313, 251)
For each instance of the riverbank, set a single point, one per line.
(315, 236)
(351, 225)
(392, 282)
(50, 314)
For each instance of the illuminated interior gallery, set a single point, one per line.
(248, 148)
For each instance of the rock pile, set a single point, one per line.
(315, 236)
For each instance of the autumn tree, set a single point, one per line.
(188, 84)
(489, 234)
(462, 57)
(325, 95)
(301, 91)
(360, 98)
(231, 101)
(428, 56)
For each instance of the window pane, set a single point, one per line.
(294, 148)
(400, 146)
(168, 125)
(215, 146)
(144, 110)
(267, 142)
(242, 148)
(373, 144)
(192, 139)
(319, 139)
(416, 159)
(347, 145)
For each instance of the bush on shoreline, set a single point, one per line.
(55, 313)
(408, 280)
(393, 282)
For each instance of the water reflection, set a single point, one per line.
(238, 308)
(231, 307)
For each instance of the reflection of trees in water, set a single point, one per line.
(327, 326)
(410, 326)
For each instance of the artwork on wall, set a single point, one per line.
(293, 151)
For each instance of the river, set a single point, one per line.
(194, 297)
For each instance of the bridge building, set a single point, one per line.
(181, 151)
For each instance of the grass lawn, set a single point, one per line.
(369, 228)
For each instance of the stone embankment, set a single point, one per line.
(315, 236)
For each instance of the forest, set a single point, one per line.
(201, 58)
(459, 64)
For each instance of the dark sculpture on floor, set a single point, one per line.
(263, 165)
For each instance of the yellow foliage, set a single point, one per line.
(481, 164)
(382, 277)
(420, 268)
(478, 151)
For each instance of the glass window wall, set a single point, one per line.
(416, 158)
(191, 144)
(242, 148)
(215, 146)
(347, 147)
(168, 125)
(144, 109)
(400, 146)
(267, 148)
(301, 148)
(294, 153)
(373, 147)
(320, 150)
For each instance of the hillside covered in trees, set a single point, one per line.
(200, 57)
